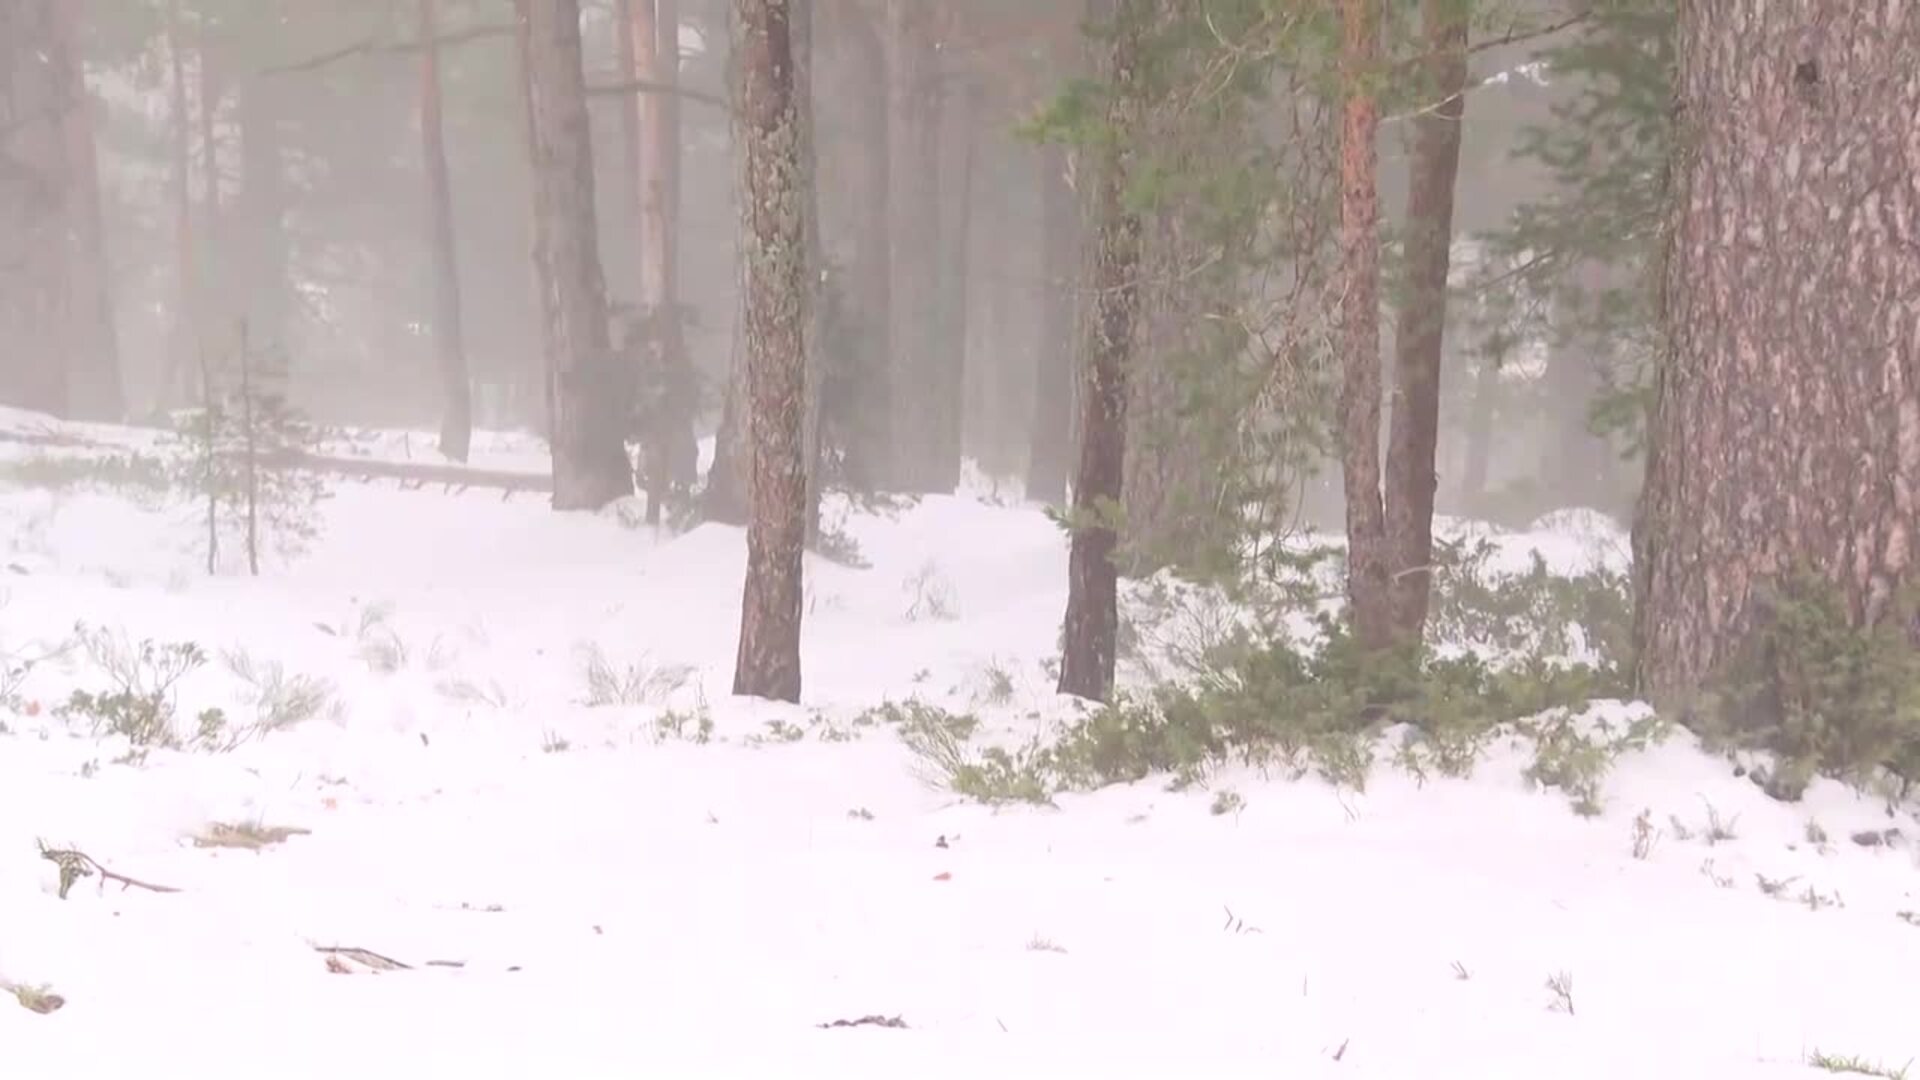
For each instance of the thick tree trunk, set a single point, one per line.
(913, 232)
(1369, 560)
(773, 235)
(587, 386)
(449, 338)
(95, 383)
(1093, 611)
(1051, 445)
(35, 193)
(1786, 430)
(1419, 335)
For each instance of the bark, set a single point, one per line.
(1786, 431)
(449, 338)
(1092, 619)
(773, 236)
(1368, 556)
(1419, 335)
(1051, 446)
(586, 384)
(94, 384)
(913, 231)
(801, 27)
(35, 193)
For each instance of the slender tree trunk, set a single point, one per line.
(773, 232)
(1786, 430)
(1051, 445)
(187, 343)
(95, 384)
(545, 301)
(1419, 335)
(35, 194)
(801, 25)
(215, 296)
(449, 338)
(871, 441)
(1476, 469)
(590, 466)
(913, 231)
(1369, 559)
(261, 246)
(953, 270)
(1093, 609)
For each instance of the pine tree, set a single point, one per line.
(773, 241)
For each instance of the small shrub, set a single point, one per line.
(552, 742)
(683, 725)
(930, 595)
(138, 476)
(279, 700)
(1574, 752)
(1850, 1063)
(1822, 695)
(638, 683)
(1226, 802)
(138, 701)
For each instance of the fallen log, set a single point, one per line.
(419, 474)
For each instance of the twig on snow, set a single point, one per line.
(75, 865)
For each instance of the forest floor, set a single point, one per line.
(581, 890)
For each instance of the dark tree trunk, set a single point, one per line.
(449, 339)
(1051, 444)
(951, 272)
(35, 192)
(586, 383)
(869, 435)
(669, 398)
(913, 232)
(1369, 559)
(185, 342)
(1786, 430)
(95, 384)
(261, 241)
(1482, 413)
(1420, 331)
(1093, 612)
(773, 228)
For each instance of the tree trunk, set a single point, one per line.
(913, 231)
(953, 269)
(587, 385)
(773, 235)
(94, 384)
(1786, 430)
(35, 193)
(1051, 445)
(260, 211)
(870, 437)
(1369, 559)
(1093, 611)
(1420, 332)
(216, 309)
(544, 300)
(449, 339)
(186, 342)
(1482, 414)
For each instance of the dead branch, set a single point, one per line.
(75, 865)
(373, 45)
(366, 957)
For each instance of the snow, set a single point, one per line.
(636, 906)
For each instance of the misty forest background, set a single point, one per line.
(1199, 275)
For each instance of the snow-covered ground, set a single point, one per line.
(624, 904)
